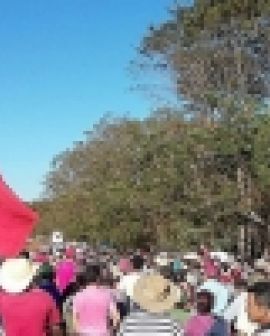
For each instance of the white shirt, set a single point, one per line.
(127, 283)
(162, 259)
(263, 333)
(144, 323)
(191, 279)
(238, 310)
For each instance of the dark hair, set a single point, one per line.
(261, 291)
(137, 262)
(92, 273)
(79, 284)
(81, 279)
(166, 273)
(205, 306)
(241, 284)
(48, 275)
(105, 276)
(24, 254)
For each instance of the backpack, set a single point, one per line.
(219, 328)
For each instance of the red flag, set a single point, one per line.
(17, 221)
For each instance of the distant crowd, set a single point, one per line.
(74, 289)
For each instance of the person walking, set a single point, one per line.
(237, 311)
(128, 281)
(204, 322)
(259, 307)
(94, 307)
(65, 273)
(26, 310)
(155, 297)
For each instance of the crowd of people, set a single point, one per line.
(78, 290)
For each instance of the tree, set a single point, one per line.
(218, 52)
(135, 182)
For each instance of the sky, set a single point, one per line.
(63, 65)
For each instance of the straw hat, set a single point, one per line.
(17, 274)
(155, 294)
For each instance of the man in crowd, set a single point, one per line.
(237, 311)
(259, 307)
(155, 297)
(128, 281)
(24, 309)
(46, 281)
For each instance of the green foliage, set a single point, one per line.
(154, 181)
(217, 50)
(261, 160)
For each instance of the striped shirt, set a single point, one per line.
(147, 324)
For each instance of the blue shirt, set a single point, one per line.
(177, 265)
(220, 328)
(52, 290)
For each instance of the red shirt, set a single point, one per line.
(236, 274)
(225, 278)
(28, 313)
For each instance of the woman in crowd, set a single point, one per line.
(94, 307)
(65, 272)
(204, 322)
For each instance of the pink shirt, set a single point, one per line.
(70, 252)
(92, 307)
(65, 274)
(41, 258)
(210, 268)
(199, 325)
(124, 265)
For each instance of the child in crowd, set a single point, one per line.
(205, 323)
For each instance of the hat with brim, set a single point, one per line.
(155, 294)
(17, 274)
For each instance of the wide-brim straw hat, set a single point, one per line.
(155, 294)
(16, 275)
